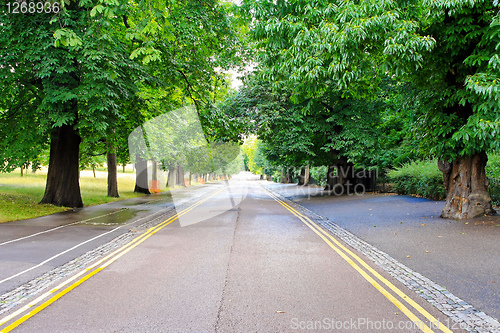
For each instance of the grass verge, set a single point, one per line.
(19, 196)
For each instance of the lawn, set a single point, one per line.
(19, 196)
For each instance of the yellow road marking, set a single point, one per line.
(327, 237)
(106, 261)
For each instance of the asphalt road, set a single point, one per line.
(239, 261)
(29, 248)
(461, 255)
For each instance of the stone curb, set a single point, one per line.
(30, 289)
(34, 287)
(463, 314)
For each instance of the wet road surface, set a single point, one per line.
(29, 248)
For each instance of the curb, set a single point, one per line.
(463, 314)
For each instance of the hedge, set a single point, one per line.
(421, 178)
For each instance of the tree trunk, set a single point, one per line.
(22, 169)
(330, 178)
(176, 177)
(112, 173)
(154, 171)
(346, 176)
(180, 176)
(304, 176)
(123, 167)
(141, 176)
(63, 185)
(283, 178)
(466, 187)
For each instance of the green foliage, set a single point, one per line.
(421, 178)
(249, 149)
(493, 173)
(446, 51)
(493, 166)
(107, 66)
(318, 175)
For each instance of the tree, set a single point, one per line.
(448, 49)
(461, 99)
(74, 67)
(72, 74)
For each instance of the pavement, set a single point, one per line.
(255, 267)
(461, 255)
(33, 247)
(242, 259)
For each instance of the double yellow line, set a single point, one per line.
(87, 273)
(345, 253)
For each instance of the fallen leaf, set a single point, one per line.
(278, 311)
(408, 256)
(424, 224)
(425, 217)
(426, 251)
(396, 313)
(440, 236)
(493, 281)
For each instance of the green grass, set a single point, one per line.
(19, 196)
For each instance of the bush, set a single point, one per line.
(318, 175)
(424, 178)
(421, 178)
(493, 173)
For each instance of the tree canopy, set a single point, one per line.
(342, 84)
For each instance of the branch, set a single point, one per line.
(125, 21)
(190, 90)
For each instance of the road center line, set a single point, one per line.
(89, 272)
(75, 247)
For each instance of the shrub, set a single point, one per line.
(421, 178)
(424, 178)
(318, 175)
(493, 173)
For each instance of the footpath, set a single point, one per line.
(454, 264)
(38, 252)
